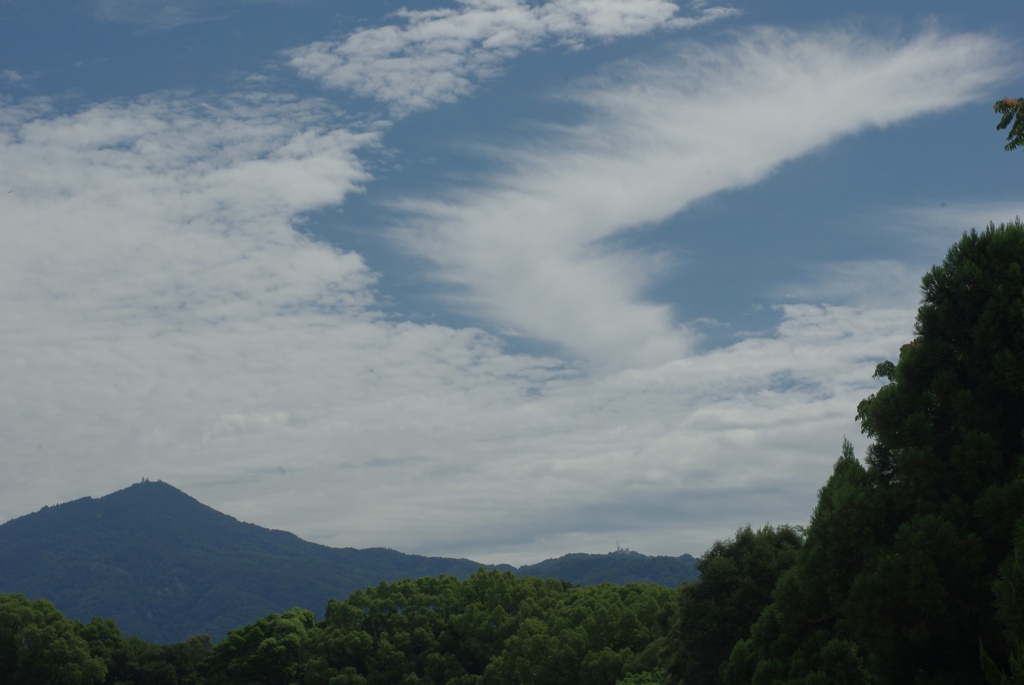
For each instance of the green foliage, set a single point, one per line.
(736, 581)
(654, 677)
(273, 650)
(1012, 110)
(39, 645)
(895, 581)
(1009, 592)
(490, 628)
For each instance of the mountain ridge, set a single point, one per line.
(165, 566)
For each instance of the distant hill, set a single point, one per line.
(164, 566)
(620, 567)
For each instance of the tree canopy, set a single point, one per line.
(736, 581)
(895, 581)
(491, 629)
(39, 645)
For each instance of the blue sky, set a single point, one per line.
(493, 279)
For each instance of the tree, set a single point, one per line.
(1009, 590)
(653, 677)
(736, 581)
(492, 628)
(273, 650)
(1012, 110)
(895, 581)
(39, 645)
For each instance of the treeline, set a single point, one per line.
(490, 628)
(39, 646)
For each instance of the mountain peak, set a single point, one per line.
(152, 494)
(165, 566)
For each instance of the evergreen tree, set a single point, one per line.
(895, 581)
(1009, 589)
(736, 581)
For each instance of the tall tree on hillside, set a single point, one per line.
(736, 581)
(896, 577)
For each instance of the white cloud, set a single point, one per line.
(163, 318)
(664, 459)
(937, 227)
(183, 201)
(530, 247)
(877, 283)
(436, 56)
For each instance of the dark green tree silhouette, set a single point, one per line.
(736, 581)
(274, 650)
(895, 581)
(39, 645)
(1009, 589)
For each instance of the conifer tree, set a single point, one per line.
(736, 581)
(895, 581)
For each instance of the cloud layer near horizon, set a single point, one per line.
(165, 316)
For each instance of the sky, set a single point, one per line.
(493, 279)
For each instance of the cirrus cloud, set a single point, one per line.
(436, 56)
(533, 248)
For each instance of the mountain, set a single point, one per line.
(164, 566)
(620, 567)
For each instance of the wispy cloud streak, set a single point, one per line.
(437, 56)
(530, 247)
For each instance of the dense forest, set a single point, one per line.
(911, 569)
(493, 627)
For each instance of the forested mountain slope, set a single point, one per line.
(165, 567)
